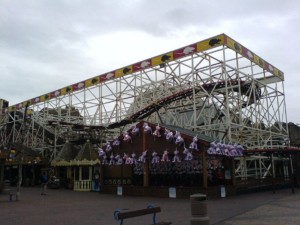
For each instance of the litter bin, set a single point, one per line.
(199, 210)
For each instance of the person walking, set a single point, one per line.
(44, 182)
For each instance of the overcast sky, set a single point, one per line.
(47, 45)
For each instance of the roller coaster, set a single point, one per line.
(215, 87)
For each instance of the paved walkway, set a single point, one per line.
(65, 207)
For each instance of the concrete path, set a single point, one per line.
(65, 207)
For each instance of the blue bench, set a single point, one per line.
(121, 215)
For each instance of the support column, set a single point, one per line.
(146, 164)
(273, 173)
(233, 179)
(70, 178)
(33, 175)
(204, 169)
(101, 179)
(146, 174)
(292, 174)
(1, 173)
(273, 167)
(20, 177)
(90, 173)
(74, 177)
(80, 173)
(2, 170)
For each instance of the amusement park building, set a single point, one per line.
(206, 115)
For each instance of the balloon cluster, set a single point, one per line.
(221, 148)
(109, 157)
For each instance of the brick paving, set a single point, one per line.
(66, 207)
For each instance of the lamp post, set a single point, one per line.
(20, 168)
(20, 171)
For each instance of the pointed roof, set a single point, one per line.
(86, 156)
(67, 153)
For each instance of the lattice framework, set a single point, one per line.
(234, 96)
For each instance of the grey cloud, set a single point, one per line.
(42, 41)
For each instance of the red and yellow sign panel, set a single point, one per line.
(78, 86)
(141, 65)
(188, 50)
(210, 43)
(66, 90)
(124, 71)
(158, 60)
(107, 76)
(252, 57)
(92, 81)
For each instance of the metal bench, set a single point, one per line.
(125, 214)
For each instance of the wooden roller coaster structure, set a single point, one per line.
(216, 87)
